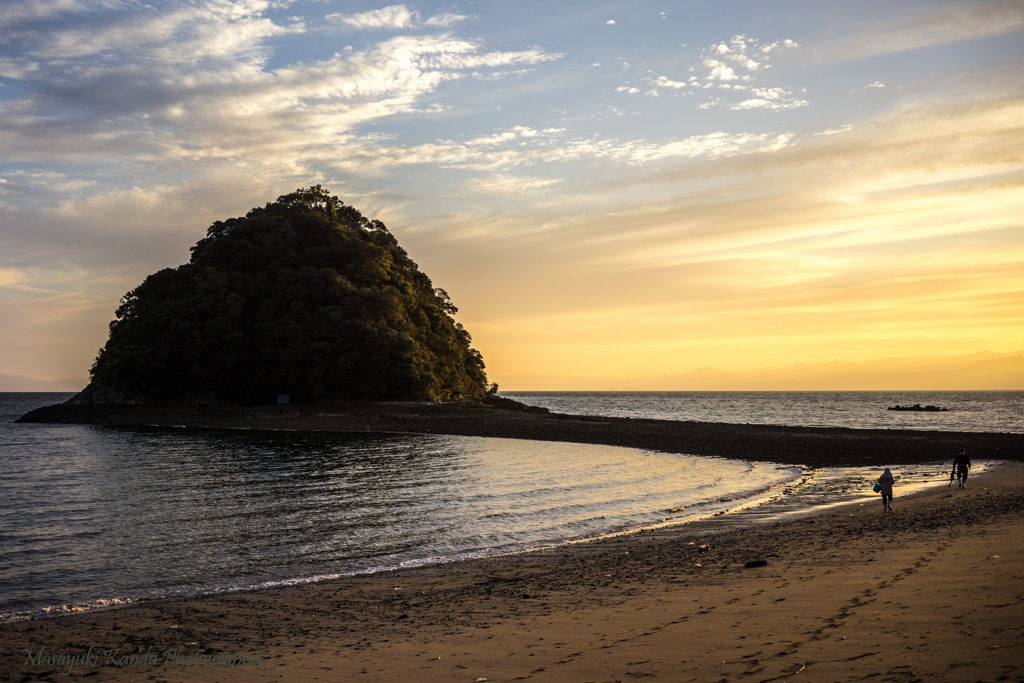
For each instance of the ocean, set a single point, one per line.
(96, 517)
(967, 411)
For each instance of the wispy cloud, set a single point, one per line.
(836, 131)
(445, 20)
(523, 146)
(36, 10)
(886, 29)
(183, 34)
(175, 105)
(507, 185)
(771, 98)
(393, 17)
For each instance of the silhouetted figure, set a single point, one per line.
(961, 465)
(886, 481)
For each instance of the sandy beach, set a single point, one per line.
(932, 590)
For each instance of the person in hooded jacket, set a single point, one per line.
(961, 465)
(886, 481)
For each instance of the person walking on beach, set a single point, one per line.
(961, 465)
(886, 481)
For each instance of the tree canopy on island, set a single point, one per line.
(304, 297)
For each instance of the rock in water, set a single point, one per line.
(304, 297)
(918, 408)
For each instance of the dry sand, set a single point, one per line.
(931, 591)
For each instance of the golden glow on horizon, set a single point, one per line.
(838, 253)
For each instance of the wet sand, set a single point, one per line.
(931, 591)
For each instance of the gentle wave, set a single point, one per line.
(698, 510)
(804, 494)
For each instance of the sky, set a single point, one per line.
(604, 188)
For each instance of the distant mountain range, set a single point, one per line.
(22, 383)
(978, 371)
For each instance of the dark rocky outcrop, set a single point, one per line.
(917, 407)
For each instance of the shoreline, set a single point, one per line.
(654, 603)
(806, 496)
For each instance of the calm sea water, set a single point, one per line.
(98, 516)
(968, 411)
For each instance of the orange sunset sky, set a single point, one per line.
(625, 189)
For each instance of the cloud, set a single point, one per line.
(725, 77)
(735, 51)
(524, 146)
(507, 185)
(445, 20)
(719, 71)
(708, 146)
(771, 98)
(392, 17)
(836, 131)
(889, 28)
(38, 10)
(627, 89)
(610, 22)
(663, 82)
(198, 34)
(17, 69)
(173, 106)
(876, 84)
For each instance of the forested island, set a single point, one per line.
(304, 297)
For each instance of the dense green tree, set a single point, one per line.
(304, 296)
